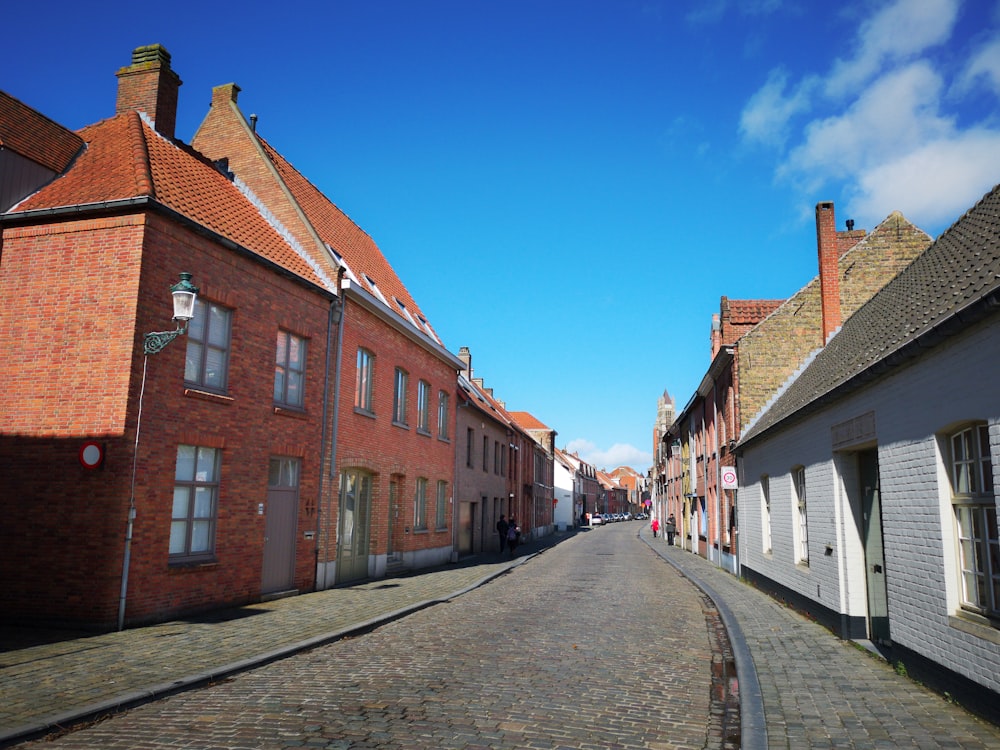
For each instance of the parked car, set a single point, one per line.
(595, 519)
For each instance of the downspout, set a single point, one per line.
(336, 416)
(320, 516)
(131, 504)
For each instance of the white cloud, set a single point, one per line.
(984, 64)
(936, 182)
(619, 454)
(766, 117)
(884, 123)
(899, 32)
(895, 115)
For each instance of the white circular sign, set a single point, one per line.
(91, 455)
(729, 479)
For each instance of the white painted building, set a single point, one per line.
(867, 489)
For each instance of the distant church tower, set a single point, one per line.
(664, 412)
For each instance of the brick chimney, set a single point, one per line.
(149, 85)
(465, 355)
(829, 272)
(716, 334)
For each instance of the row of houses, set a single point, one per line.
(843, 446)
(301, 426)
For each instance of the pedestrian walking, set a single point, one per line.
(670, 529)
(513, 535)
(502, 527)
(656, 526)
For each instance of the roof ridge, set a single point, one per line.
(140, 152)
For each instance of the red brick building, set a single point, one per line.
(207, 459)
(394, 381)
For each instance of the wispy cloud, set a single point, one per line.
(884, 121)
(619, 454)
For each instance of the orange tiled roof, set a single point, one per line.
(527, 421)
(34, 136)
(751, 311)
(337, 229)
(126, 158)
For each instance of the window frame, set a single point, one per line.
(420, 505)
(801, 515)
(440, 513)
(364, 382)
(285, 369)
(973, 501)
(423, 407)
(401, 381)
(200, 333)
(191, 485)
(765, 514)
(443, 403)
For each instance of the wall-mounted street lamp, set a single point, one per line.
(184, 293)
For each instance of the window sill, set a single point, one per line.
(364, 412)
(289, 411)
(976, 625)
(425, 433)
(444, 439)
(400, 425)
(187, 566)
(217, 398)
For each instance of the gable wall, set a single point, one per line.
(770, 353)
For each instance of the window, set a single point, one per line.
(423, 406)
(399, 397)
(207, 361)
(195, 509)
(442, 502)
(364, 387)
(496, 456)
(420, 505)
(976, 519)
(802, 531)
(443, 415)
(765, 513)
(486, 453)
(289, 370)
(471, 437)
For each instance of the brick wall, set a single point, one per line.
(769, 354)
(65, 526)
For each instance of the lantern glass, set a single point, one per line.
(185, 294)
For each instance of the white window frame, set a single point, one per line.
(441, 515)
(801, 514)
(973, 500)
(443, 402)
(765, 514)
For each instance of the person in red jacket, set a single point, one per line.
(656, 526)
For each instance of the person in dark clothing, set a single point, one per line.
(670, 529)
(513, 535)
(502, 527)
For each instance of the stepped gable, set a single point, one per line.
(346, 238)
(126, 158)
(950, 285)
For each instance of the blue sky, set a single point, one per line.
(567, 187)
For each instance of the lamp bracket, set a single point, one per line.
(156, 341)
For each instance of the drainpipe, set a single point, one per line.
(131, 504)
(332, 320)
(336, 417)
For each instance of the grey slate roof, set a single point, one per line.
(952, 284)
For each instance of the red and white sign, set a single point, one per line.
(91, 455)
(729, 478)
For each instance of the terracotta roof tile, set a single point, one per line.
(527, 421)
(34, 136)
(126, 158)
(337, 229)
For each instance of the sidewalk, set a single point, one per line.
(48, 686)
(802, 687)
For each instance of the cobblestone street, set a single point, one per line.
(554, 654)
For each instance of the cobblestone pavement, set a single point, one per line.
(593, 644)
(821, 692)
